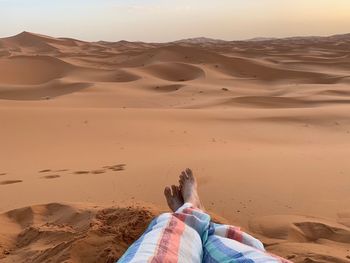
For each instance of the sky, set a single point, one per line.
(168, 20)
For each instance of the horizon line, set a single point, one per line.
(188, 38)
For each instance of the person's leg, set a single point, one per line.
(174, 237)
(188, 236)
(223, 243)
(235, 233)
(167, 239)
(227, 243)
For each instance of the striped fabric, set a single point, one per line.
(188, 235)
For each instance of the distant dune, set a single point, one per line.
(32, 59)
(95, 130)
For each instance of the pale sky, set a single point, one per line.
(167, 20)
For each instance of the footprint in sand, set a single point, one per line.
(82, 172)
(10, 182)
(51, 176)
(97, 171)
(117, 167)
(45, 171)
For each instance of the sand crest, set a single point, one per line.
(70, 233)
(89, 233)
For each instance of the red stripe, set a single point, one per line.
(169, 244)
(181, 216)
(234, 233)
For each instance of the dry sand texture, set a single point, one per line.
(264, 124)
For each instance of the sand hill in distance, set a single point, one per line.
(91, 132)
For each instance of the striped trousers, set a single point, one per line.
(188, 235)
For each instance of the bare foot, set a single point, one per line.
(188, 187)
(173, 197)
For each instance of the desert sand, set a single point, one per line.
(91, 133)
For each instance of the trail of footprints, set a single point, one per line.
(114, 168)
(53, 174)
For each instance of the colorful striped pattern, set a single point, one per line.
(188, 235)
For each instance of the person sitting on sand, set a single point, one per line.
(189, 235)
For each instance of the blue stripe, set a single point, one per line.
(131, 252)
(231, 255)
(211, 230)
(207, 258)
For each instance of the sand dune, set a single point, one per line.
(32, 70)
(33, 40)
(44, 91)
(96, 75)
(250, 69)
(26, 41)
(304, 239)
(175, 71)
(264, 124)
